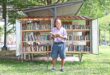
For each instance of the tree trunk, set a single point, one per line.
(49, 2)
(104, 36)
(109, 36)
(4, 7)
(99, 37)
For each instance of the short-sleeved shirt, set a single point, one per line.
(62, 31)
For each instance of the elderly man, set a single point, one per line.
(59, 35)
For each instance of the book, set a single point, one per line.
(55, 35)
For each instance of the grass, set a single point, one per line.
(91, 65)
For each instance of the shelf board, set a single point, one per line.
(36, 52)
(87, 40)
(67, 41)
(81, 40)
(77, 30)
(80, 30)
(30, 42)
(43, 52)
(35, 30)
(77, 52)
(68, 30)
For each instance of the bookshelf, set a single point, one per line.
(79, 31)
(35, 35)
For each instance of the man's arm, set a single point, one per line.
(52, 35)
(64, 36)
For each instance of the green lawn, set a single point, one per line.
(91, 65)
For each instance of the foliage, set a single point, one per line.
(105, 26)
(95, 8)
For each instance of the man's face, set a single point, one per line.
(58, 23)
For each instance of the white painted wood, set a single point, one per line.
(18, 38)
(95, 37)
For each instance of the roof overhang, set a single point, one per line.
(65, 9)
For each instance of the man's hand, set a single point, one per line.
(57, 35)
(60, 36)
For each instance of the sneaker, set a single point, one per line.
(53, 69)
(62, 70)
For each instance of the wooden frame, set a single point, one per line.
(50, 19)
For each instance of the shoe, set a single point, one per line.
(53, 69)
(62, 70)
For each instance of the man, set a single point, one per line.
(59, 36)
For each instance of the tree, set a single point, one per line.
(108, 28)
(105, 25)
(95, 8)
(4, 5)
(109, 31)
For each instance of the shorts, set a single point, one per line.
(58, 49)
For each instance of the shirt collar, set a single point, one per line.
(58, 29)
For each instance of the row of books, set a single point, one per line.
(35, 47)
(74, 37)
(78, 48)
(30, 36)
(47, 37)
(35, 26)
(76, 27)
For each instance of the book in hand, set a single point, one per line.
(55, 35)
